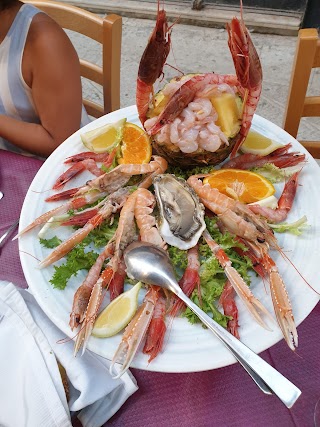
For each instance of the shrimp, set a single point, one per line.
(87, 164)
(152, 63)
(95, 300)
(81, 218)
(284, 204)
(133, 336)
(250, 301)
(64, 195)
(249, 72)
(279, 157)
(124, 235)
(97, 157)
(145, 203)
(75, 203)
(138, 327)
(189, 281)
(230, 308)
(109, 183)
(117, 282)
(280, 299)
(112, 204)
(84, 161)
(248, 82)
(235, 216)
(82, 295)
(185, 94)
(120, 175)
(156, 330)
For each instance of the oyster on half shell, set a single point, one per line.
(181, 221)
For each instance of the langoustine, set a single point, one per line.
(124, 235)
(239, 220)
(138, 327)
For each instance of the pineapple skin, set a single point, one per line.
(175, 157)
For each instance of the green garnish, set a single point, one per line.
(50, 243)
(212, 276)
(77, 259)
(273, 173)
(296, 227)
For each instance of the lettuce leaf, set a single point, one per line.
(212, 276)
(275, 174)
(77, 259)
(296, 227)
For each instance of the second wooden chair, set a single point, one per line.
(299, 105)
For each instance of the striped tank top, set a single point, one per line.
(15, 95)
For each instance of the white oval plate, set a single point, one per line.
(188, 348)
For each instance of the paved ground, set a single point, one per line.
(200, 49)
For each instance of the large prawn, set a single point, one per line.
(281, 157)
(152, 62)
(110, 183)
(235, 216)
(284, 204)
(124, 235)
(249, 72)
(251, 302)
(236, 219)
(248, 81)
(151, 312)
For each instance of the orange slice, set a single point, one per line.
(135, 146)
(245, 186)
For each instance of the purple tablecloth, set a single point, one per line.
(225, 396)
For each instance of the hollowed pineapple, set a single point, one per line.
(229, 110)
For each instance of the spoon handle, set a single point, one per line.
(255, 377)
(267, 378)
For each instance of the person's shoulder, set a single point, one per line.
(46, 34)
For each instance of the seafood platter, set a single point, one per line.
(252, 267)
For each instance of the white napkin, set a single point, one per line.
(31, 389)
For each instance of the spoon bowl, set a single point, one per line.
(149, 264)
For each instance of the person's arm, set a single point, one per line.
(51, 68)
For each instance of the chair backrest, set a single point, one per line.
(299, 105)
(108, 32)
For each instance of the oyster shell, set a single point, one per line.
(181, 221)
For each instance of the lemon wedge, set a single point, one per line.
(104, 138)
(269, 202)
(255, 143)
(117, 314)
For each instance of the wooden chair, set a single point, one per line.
(299, 105)
(108, 32)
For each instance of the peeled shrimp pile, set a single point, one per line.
(195, 127)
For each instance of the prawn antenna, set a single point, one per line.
(27, 253)
(305, 280)
(40, 192)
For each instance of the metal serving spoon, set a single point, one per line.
(150, 264)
